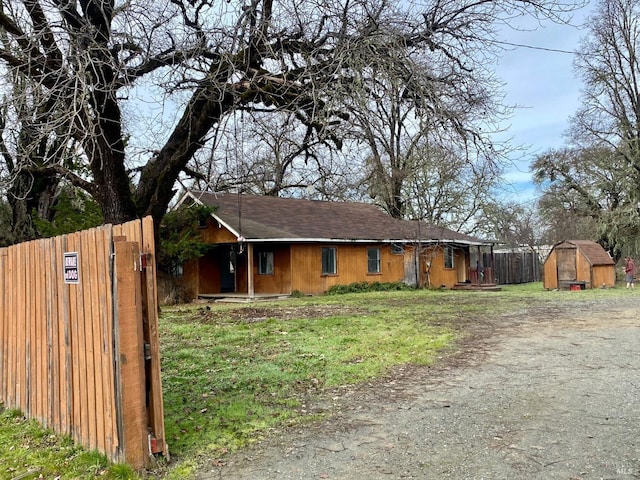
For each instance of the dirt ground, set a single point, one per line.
(549, 393)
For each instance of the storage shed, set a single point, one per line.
(580, 264)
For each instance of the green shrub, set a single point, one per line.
(358, 287)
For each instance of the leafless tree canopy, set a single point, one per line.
(597, 178)
(83, 78)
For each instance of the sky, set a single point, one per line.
(541, 83)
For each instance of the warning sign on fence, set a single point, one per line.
(71, 268)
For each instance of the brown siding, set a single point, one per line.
(550, 280)
(583, 269)
(352, 267)
(216, 233)
(280, 280)
(189, 281)
(603, 275)
(208, 272)
(594, 276)
(439, 275)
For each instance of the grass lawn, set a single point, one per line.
(234, 372)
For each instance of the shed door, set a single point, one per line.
(566, 265)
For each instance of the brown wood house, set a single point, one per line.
(278, 246)
(578, 264)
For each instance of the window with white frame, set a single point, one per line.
(448, 257)
(373, 257)
(329, 263)
(265, 263)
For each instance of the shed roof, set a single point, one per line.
(593, 252)
(262, 218)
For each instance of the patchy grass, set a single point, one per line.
(230, 374)
(233, 373)
(28, 451)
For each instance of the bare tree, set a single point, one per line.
(90, 59)
(268, 154)
(447, 187)
(597, 178)
(590, 193)
(608, 63)
(514, 224)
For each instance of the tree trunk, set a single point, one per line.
(156, 186)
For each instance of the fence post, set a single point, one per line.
(130, 371)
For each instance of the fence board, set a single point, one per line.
(98, 366)
(30, 341)
(53, 365)
(130, 364)
(150, 287)
(64, 346)
(89, 372)
(3, 325)
(38, 292)
(10, 339)
(106, 305)
(60, 343)
(22, 349)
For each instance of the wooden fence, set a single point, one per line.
(78, 338)
(516, 267)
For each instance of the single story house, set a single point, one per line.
(278, 246)
(578, 264)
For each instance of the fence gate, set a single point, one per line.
(79, 348)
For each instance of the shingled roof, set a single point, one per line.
(262, 218)
(593, 252)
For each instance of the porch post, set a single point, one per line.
(250, 287)
(493, 267)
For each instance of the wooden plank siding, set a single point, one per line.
(550, 276)
(298, 267)
(58, 363)
(603, 276)
(352, 266)
(578, 261)
(279, 282)
(432, 260)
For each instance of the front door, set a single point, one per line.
(228, 272)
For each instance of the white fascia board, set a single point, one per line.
(320, 240)
(344, 240)
(185, 195)
(228, 227)
(213, 215)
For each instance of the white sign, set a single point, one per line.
(71, 267)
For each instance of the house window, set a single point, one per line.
(397, 249)
(329, 264)
(373, 257)
(448, 257)
(177, 271)
(265, 263)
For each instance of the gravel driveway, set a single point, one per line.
(550, 393)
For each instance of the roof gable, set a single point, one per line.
(274, 218)
(593, 252)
